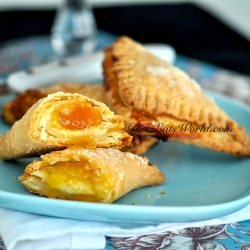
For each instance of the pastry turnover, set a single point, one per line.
(101, 175)
(156, 96)
(15, 109)
(61, 120)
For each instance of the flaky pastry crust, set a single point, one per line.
(41, 130)
(101, 175)
(150, 91)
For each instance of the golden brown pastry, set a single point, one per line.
(140, 144)
(61, 120)
(101, 175)
(15, 109)
(156, 96)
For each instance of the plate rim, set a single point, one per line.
(99, 210)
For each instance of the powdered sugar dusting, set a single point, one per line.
(174, 79)
(156, 70)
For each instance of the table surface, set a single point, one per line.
(21, 54)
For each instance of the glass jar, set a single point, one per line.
(74, 29)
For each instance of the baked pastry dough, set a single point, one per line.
(155, 95)
(140, 144)
(15, 109)
(101, 175)
(61, 120)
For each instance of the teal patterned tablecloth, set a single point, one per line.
(221, 237)
(21, 54)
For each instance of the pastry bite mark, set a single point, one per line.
(55, 105)
(101, 175)
(40, 129)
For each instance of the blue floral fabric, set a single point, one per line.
(221, 237)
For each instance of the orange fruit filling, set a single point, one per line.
(78, 117)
